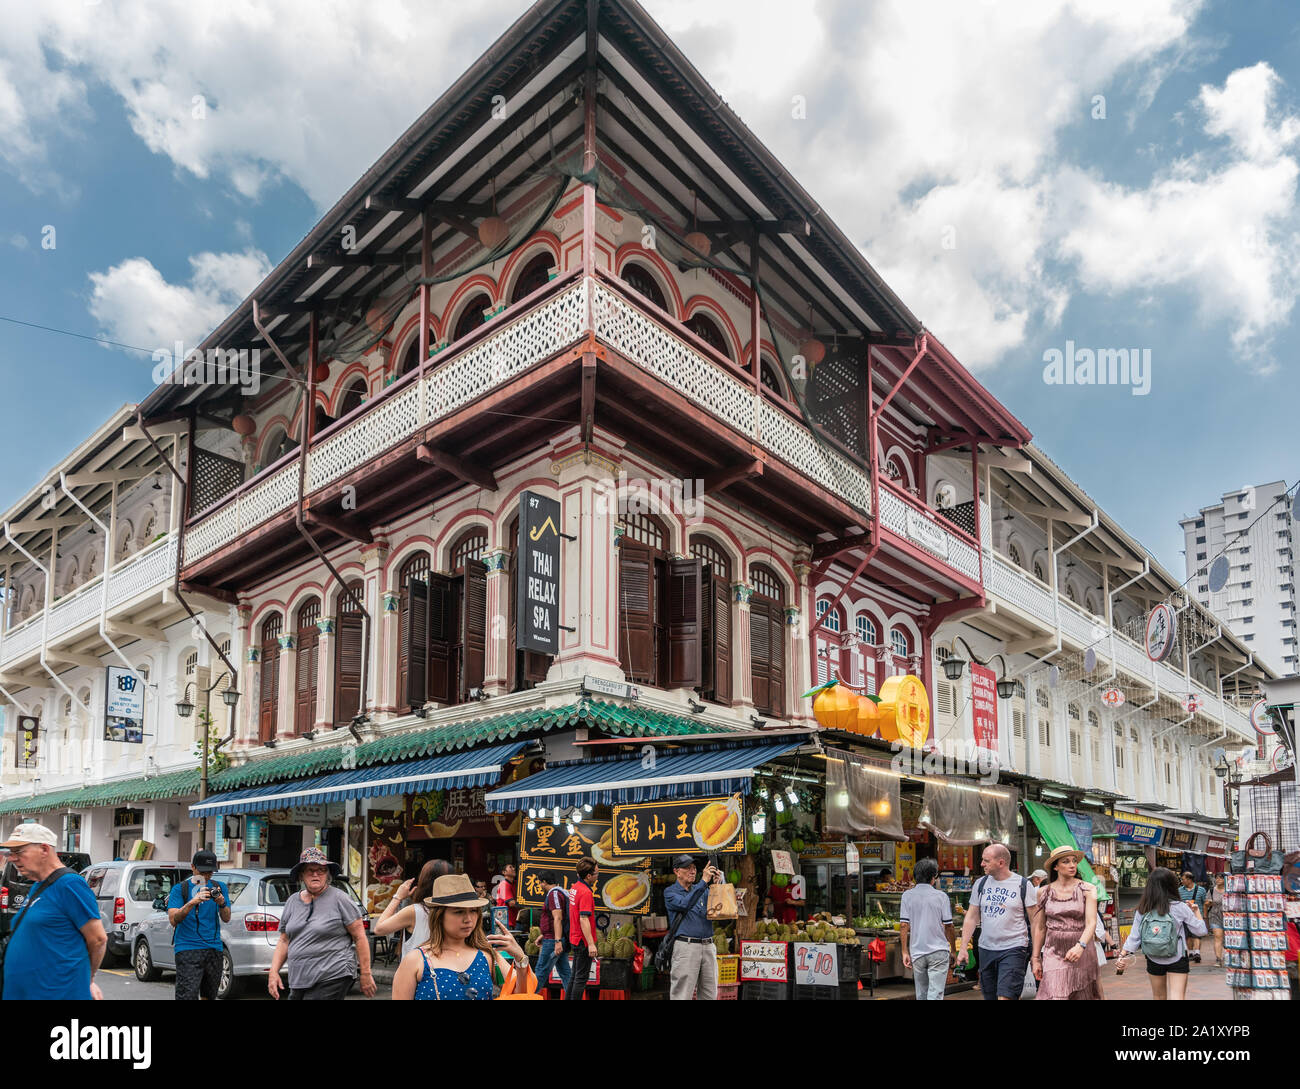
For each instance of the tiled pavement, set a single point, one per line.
(1205, 983)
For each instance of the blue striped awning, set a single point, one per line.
(471, 767)
(626, 781)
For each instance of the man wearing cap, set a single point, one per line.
(1037, 877)
(695, 959)
(320, 928)
(196, 908)
(57, 940)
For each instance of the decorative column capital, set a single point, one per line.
(742, 592)
(391, 601)
(802, 569)
(496, 559)
(325, 625)
(285, 641)
(792, 615)
(253, 655)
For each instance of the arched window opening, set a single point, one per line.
(534, 275)
(710, 332)
(306, 667)
(471, 316)
(349, 650)
(714, 575)
(354, 397)
(642, 281)
(269, 702)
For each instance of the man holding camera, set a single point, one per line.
(196, 909)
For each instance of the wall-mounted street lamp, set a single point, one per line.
(185, 708)
(953, 667)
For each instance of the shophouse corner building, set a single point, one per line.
(579, 428)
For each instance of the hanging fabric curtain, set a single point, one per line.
(861, 798)
(964, 813)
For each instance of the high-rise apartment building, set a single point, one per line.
(1252, 528)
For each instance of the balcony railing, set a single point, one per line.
(1008, 582)
(396, 416)
(911, 519)
(150, 569)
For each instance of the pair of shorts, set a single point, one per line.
(327, 990)
(1180, 967)
(1002, 973)
(198, 974)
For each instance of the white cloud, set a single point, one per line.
(135, 305)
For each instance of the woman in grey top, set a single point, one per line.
(1167, 975)
(322, 937)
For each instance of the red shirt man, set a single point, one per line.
(582, 901)
(787, 907)
(506, 894)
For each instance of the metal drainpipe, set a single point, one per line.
(180, 539)
(1110, 606)
(45, 621)
(103, 604)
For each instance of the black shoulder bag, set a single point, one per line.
(36, 892)
(664, 954)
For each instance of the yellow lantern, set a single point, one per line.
(904, 711)
(836, 708)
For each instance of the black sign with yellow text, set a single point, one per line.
(679, 827)
(547, 842)
(623, 891)
(537, 588)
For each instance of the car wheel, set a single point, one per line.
(145, 972)
(229, 985)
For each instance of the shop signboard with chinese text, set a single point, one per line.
(765, 962)
(537, 589)
(300, 814)
(624, 891)
(124, 707)
(816, 964)
(458, 813)
(547, 842)
(27, 743)
(1177, 839)
(680, 827)
(984, 707)
(782, 862)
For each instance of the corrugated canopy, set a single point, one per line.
(474, 767)
(629, 780)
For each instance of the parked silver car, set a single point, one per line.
(257, 899)
(125, 892)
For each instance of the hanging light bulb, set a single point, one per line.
(532, 825)
(791, 796)
(842, 798)
(779, 804)
(759, 824)
(555, 818)
(541, 813)
(576, 815)
(532, 813)
(569, 826)
(586, 809)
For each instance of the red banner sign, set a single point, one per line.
(984, 705)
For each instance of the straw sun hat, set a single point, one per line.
(1060, 853)
(454, 890)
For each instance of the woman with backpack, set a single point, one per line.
(1161, 926)
(1065, 926)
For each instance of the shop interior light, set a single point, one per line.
(569, 826)
(586, 808)
(541, 813)
(532, 815)
(555, 818)
(842, 798)
(779, 803)
(532, 825)
(791, 796)
(1038, 850)
(759, 824)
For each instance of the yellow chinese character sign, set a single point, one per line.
(680, 827)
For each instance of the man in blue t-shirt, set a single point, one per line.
(57, 940)
(196, 909)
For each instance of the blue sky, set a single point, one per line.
(1169, 225)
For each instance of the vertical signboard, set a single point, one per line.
(537, 575)
(123, 707)
(27, 742)
(984, 707)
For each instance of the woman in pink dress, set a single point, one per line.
(1065, 926)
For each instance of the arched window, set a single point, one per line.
(70, 582)
(767, 375)
(349, 649)
(411, 353)
(191, 665)
(1069, 593)
(715, 601)
(416, 568)
(710, 332)
(829, 646)
(1074, 712)
(536, 273)
(644, 569)
(278, 444)
(1013, 551)
(353, 398)
(641, 280)
(767, 641)
(91, 562)
(866, 630)
(833, 620)
(269, 702)
(470, 546)
(894, 469)
(899, 644)
(306, 667)
(471, 315)
(1038, 571)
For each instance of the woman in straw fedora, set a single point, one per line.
(1064, 962)
(459, 960)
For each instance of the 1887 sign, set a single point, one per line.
(537, 588)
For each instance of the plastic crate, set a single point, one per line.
(728, 970)
(615, 975)
(729, 993)
(764, 991)
(845, 992)
(646, 980)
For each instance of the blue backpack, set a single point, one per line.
(1159, 936)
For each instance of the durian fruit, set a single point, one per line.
(532, 949)
(535, 933)
(628, 930)
(623, 949)
(604, 948)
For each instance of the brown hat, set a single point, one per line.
(454, 890)
(1062, 852)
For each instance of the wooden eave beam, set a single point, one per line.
(214, 592)
(829, 550)
(720, 479)
(459, 467)
(67, 657)
(342, 526)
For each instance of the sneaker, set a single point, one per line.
(1196, 958)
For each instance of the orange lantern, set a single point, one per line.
(836, 708)
(320, 373)
(493, 231)
(243, 425)
(906, 706)
(813, 351)
(699, 242)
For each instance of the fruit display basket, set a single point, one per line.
(645, 981)
(616, 974)
(767, 991)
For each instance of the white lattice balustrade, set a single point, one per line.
(22, 640)
(962, 556)
(1011, 584)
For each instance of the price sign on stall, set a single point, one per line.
(816, 964)
(764, 962)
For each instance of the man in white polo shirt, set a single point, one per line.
(1002, 904)
(926, 932)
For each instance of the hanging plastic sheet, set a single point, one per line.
(861, 798)
(965, 813)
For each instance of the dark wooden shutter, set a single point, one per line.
(776, 644)
(270, 690)
(721, 656)
(760, 654)
(347, 668)
(415, 639)
(442, 668)
(473, 623)
(304, 712)
(685, 623)
(636, 611)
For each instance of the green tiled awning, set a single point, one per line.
(619, 720)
